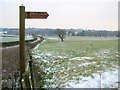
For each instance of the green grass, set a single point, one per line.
(78, 45)
(102, 49)
(8, 39)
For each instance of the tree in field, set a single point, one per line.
(61, 33)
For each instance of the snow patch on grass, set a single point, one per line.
(53, 38)
(85, 64)
(107, 79)
(81, 58)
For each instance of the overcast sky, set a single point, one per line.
(86, 14)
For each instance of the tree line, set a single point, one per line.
(56, 32)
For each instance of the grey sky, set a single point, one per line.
(86, 14)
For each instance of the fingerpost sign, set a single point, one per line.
(26, 15)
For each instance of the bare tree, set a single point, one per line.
(61, 33)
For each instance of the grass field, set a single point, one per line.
(8, 39)
(77, 61)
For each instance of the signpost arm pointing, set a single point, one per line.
(22, 42)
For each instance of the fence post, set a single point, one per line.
(22, 42)
(31, 73)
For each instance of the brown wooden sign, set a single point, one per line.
(36, 15)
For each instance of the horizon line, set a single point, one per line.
(63, 28)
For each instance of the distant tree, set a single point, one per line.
(61, 33)
(83, 33)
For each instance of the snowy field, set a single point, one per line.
(82, 66)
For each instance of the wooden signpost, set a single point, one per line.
(26, 15)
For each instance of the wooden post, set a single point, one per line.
(22, 42)
(31, 73)
(23, 15)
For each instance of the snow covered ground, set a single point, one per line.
(66, 71)
(107, 79)
(53, 38)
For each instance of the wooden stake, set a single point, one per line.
(22, 42)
